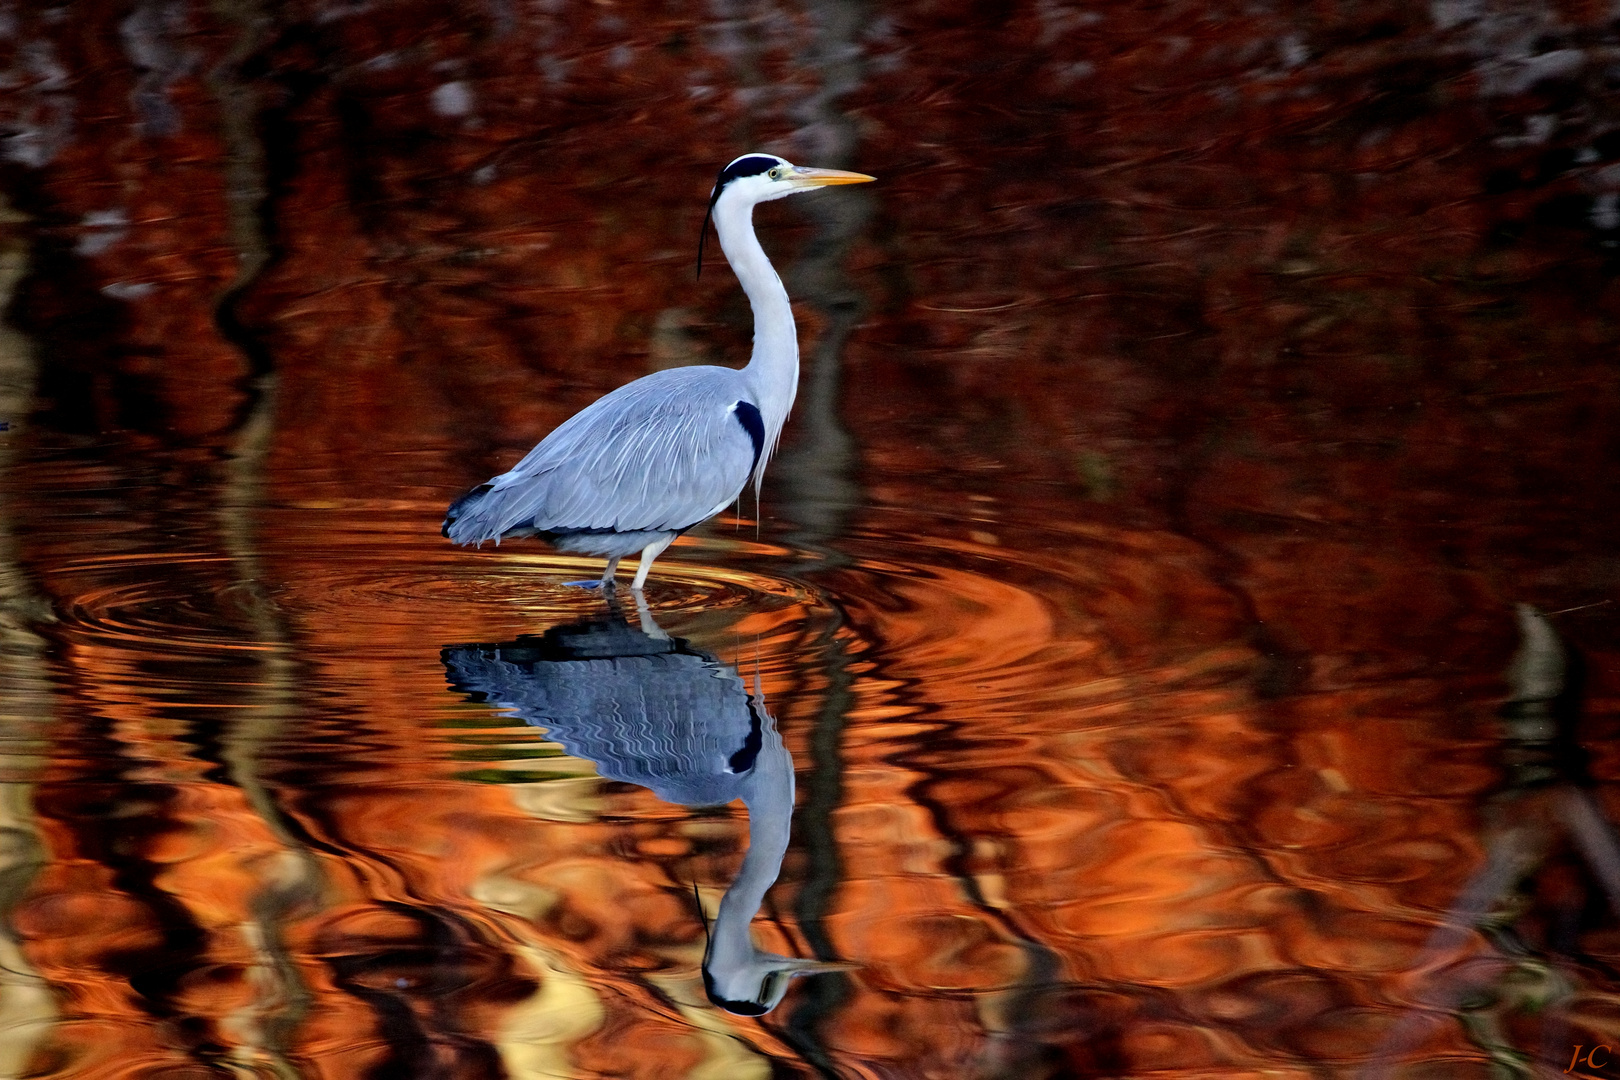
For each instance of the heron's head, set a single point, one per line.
(757, 178)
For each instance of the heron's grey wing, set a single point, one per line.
(661, 453)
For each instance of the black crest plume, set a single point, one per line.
(748, 165)
(702, 915)
(703, 237)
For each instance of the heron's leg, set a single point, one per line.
(648, 554)
(607, 574)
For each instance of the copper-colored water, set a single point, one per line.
(1184, 414)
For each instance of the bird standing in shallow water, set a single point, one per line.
(635, 469)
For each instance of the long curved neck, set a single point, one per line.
(768, 795)
(733, 965)
(773, 371)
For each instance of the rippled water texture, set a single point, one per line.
(1123, 674)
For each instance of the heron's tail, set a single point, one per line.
(465, 532)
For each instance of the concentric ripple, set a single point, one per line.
(180, 601)
(396, 585)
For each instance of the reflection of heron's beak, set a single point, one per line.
(816, 967)
(813, 178)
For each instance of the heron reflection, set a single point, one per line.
(651, 710)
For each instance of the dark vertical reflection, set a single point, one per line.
(296, 886)
(417, 981)
(112, 814)
(1023, 1043)
(816, 474)
(823, 870)
(246, 171)
(27, 1008)
(413, 969)
(275, 704)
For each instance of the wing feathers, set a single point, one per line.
(661, 453)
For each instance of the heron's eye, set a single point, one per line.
(775, 174)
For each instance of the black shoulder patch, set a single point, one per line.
(748, 416)
(748, 752)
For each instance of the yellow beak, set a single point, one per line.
(803, 177)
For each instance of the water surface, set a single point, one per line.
(1110, 681)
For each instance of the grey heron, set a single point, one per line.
(636, 468)
(652, 710)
